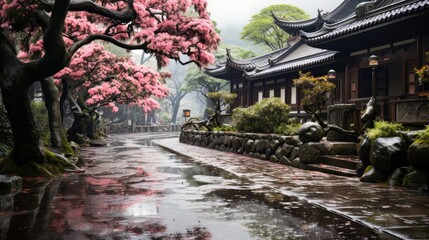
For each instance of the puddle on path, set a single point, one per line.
(135, 190)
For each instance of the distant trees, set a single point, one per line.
(263, 32)
(178, 90)
(203, 84)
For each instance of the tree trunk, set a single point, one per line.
(175, 109)
(83, 121)
(52, 103)
(14, 86)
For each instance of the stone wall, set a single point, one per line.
(275, 148)
(287, 150)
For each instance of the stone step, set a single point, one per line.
(342, 161)
(342, 148)
(331, 169)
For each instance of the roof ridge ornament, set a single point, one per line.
(364, 7)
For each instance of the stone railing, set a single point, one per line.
(288, 150)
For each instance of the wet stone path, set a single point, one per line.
(392, 210)
(134, 189)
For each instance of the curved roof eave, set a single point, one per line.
(295, 26)
(378, 16)
(293, 65)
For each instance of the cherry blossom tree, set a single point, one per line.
(96, 78)
(50, 32)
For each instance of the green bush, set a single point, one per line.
(384, 129)
(225, 128)
(263, 117)
(424, 135)
(288, 129)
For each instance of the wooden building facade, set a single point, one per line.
(396, 31)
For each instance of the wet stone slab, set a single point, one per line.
(133, 189)
(396, 211)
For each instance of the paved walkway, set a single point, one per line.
(397, 211)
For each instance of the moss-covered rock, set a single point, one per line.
(372, 175)
(417, 180)
(418, 155)
(397, 177)
(360, 168)
(388, 153)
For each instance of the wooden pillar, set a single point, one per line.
(249, 93)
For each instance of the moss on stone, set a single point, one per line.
(367, 169)
(65, 145)
(54, 165)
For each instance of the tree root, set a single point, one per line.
(54, 165)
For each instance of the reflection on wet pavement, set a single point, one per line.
(135, 190)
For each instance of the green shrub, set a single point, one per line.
(384, 129)
(225, 128)
(263, 117)
(424, 135)
(288, 129)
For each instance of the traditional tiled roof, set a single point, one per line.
(222, 70)
(345, 9)
(296, 26)
(293, 58)
(385, 11)
(256, 62)
(298, 64)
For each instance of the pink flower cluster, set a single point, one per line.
(106, 78)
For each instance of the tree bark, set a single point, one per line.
(14, 85)
(52, 103)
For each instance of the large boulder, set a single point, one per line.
(372, 175)
(417, 180)
(397, 177)
(418, 155)
(311, 132)
(364, 150)
(312, 152)
(360, 168)
(387, 154)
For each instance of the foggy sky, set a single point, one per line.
(232, 15)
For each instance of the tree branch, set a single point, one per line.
(143, 46)
(55, 57)
(125, 15)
